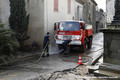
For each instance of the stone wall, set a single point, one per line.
(89, 11)
(111, 46)
(100, 20)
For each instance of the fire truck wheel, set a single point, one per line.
(90, 43)
(71, 48)
(60, 47)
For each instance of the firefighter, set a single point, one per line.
(80, 19)
(34, 45)
(83, 26)
(65, 45)
(46, 44)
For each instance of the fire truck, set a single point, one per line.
(80, 33)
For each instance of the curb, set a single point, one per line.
(110, 68)
(97, 59)
(19, 59)
(24, 58)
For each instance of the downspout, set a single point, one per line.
(47, 13)
(45, 16)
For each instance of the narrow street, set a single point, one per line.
(24, 70)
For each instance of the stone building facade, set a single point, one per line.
(44, 13)
(100, 20)
(110, 10)
(90, 13)
(112, 36)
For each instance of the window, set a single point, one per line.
(69, 26)
(56, 5)
(69, 6)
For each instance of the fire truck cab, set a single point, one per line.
(80, 33)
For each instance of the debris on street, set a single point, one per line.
(78, 73)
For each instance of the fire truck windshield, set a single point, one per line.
(69, 26)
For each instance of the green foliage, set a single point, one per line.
(19, 20)
(101, 10)
(1, 25)
(8, 44)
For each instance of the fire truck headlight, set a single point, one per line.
(76, 37)
(60, 37)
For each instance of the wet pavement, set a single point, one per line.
(24, 70)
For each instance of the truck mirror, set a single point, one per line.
(82, 26)
(58, 29)
(55, 26)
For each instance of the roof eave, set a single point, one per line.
(81, 1)
(94, 2)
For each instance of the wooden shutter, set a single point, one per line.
(69, 6)
(56, 5)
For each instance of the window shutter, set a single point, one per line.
(56, 5)
(69, 6)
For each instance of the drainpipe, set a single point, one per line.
(45, 16)
(47, 13)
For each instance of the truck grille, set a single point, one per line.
(67, 37)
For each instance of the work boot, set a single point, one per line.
(47, 55)
(43, 55)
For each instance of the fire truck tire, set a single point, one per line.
(71, 48)
(60, 47)
(90, 43)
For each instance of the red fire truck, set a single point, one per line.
(80, 33)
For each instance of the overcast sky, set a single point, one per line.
(101, 4)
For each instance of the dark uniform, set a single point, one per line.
(46, 44)
(65, 45)
(34, 44)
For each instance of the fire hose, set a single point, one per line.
(40, 57)
(42, 52)
(66, 60)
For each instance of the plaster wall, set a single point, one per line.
(111, 47)
(80, 14)
(56, 16)
(4, 12)
(36, 24)
(89, 10)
